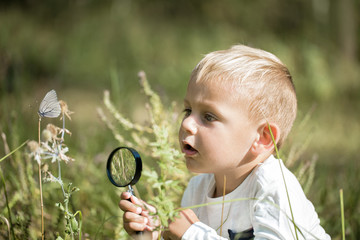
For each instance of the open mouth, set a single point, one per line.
(189, 150)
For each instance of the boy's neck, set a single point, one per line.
(235, 177)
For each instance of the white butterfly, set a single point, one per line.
(50, 106)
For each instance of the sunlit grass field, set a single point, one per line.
(90, 144)
(86, 53)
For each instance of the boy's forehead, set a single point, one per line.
(211, 86)
(213, 90)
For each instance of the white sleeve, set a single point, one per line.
(199, 231)
(271, 218)
(272, 223)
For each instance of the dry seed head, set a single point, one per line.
(54, 130)
(33, 146)
(46, 135)
(65, 109)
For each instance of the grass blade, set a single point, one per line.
(282, 173)
(7, 155)
(342, 214)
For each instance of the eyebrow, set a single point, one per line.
(208, 107)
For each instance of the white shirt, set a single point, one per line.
(259, 217)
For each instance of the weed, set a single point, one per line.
(166, 175)
(53, 148)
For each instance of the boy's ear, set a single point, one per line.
(264, 141)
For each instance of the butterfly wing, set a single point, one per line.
(50, 106)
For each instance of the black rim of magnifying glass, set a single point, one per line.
(137, 171)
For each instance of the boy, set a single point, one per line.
(235, 99)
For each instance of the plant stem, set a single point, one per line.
(80, 222)
(40, 184)
(63, 132)
(42, 205)
(66, 201)
(342, 214)
(283, 176)
(59, 169)
(58, 161)
(61, 141)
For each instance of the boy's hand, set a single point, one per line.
(136, 215)
(178, 227)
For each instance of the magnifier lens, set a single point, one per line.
(124, 167)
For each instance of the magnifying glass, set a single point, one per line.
(124, 168)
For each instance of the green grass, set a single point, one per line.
(97, 198)
(342, 213)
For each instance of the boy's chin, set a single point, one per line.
(190, 166)
(193, 167)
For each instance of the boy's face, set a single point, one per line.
(216, 133)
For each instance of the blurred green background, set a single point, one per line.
(82, 47)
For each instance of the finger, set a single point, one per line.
(149, 208)
(137, 201)
(154, 220)
(128, 196)
(133, 217)
(134, 222)
(126, 206)
(133, 227)
(125, 195)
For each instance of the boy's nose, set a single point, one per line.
(189, 125)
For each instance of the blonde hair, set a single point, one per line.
(256, 76)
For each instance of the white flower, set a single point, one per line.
(35, 151)
(56, 152)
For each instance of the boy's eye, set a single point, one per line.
(187, 112)
(210, 118)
